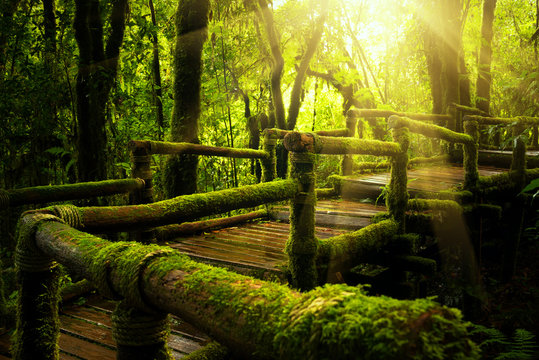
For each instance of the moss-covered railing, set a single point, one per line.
(468, 140)
(53, 193)
(253, 318)
(303, 248)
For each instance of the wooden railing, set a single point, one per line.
(253, 318)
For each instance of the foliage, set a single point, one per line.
(496, 345)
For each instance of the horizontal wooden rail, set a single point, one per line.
(170, 148)
(520, 120)
(429, 130)
(254, 318)
(387, 113)
(280, 134)
(179, 209)
(43, 194)
(469, 110)
(308, 142)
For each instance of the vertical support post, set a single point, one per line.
(518, 162)
(347, 165)
(471, 174)
(269, 164)
(302, 245)
(37, 327)
(397, 197)
(140, 161)
(140, 335)
(535, 136)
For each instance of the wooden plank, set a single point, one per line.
(83, 328)
(218, 244)
(84, 349)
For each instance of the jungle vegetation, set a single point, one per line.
(80, 79)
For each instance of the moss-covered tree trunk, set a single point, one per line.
(98, 64)
(191, 33)
(484, 76)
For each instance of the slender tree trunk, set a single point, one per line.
(484, 76)
(450, 52)
(295, 96)
(7, 10)
(191, 33)
(434, 67)
(156, 73)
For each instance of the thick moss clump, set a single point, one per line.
(212, 351)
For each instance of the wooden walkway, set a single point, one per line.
(86, 333)
(86, 329)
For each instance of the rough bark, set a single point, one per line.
(484, 77)
(191, 33)
(431, 43)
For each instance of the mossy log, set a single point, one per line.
(522, 120)
(170, 231)
(43, 194)
(257, 319)
(334, 133)
(467, 110)
(387, 113)
(171, 148)
(450, 207)
(309, 142)
(179, 209)
(429, 130)
(342, 252)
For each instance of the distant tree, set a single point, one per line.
(484, 77)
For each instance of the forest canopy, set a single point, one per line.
(110, 65)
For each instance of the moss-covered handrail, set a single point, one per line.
(429, 130)
(484, 120)
(175, 210)
(253, 318)
(309, 142)
(344, 132)
(467, 110)
(469, 140)
(171, 148)
(52, 193)
(357, 113)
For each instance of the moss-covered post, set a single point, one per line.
(37, 325)
(397, 195)
(347, 161)
(518, 163)
(269, 164)
(140, 168)
(302, 246)
(140, 335)
(471, 173)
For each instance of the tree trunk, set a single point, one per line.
(191, 33)
(156, 73)
(97, 70)
(484, 77)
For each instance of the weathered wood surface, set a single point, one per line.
(431, 179)
(86, 333)
(250, 246)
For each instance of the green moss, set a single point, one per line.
(450, 207)
(471, 173)
(302, 245)
(429, 130)
(397, 196)
(271, 321)
(328, 145)
(211, 351)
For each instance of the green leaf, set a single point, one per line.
(533, 185)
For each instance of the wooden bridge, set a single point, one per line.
(259, 243)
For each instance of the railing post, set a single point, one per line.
(38, 326)
(347, 166)
(269, 164)
(140, 161)
(397, 196)
(140, 335)
(302, 245)
(518, 162)
(471, 173)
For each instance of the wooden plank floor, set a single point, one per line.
(86, 333)
(256, 245)
(432, 179)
